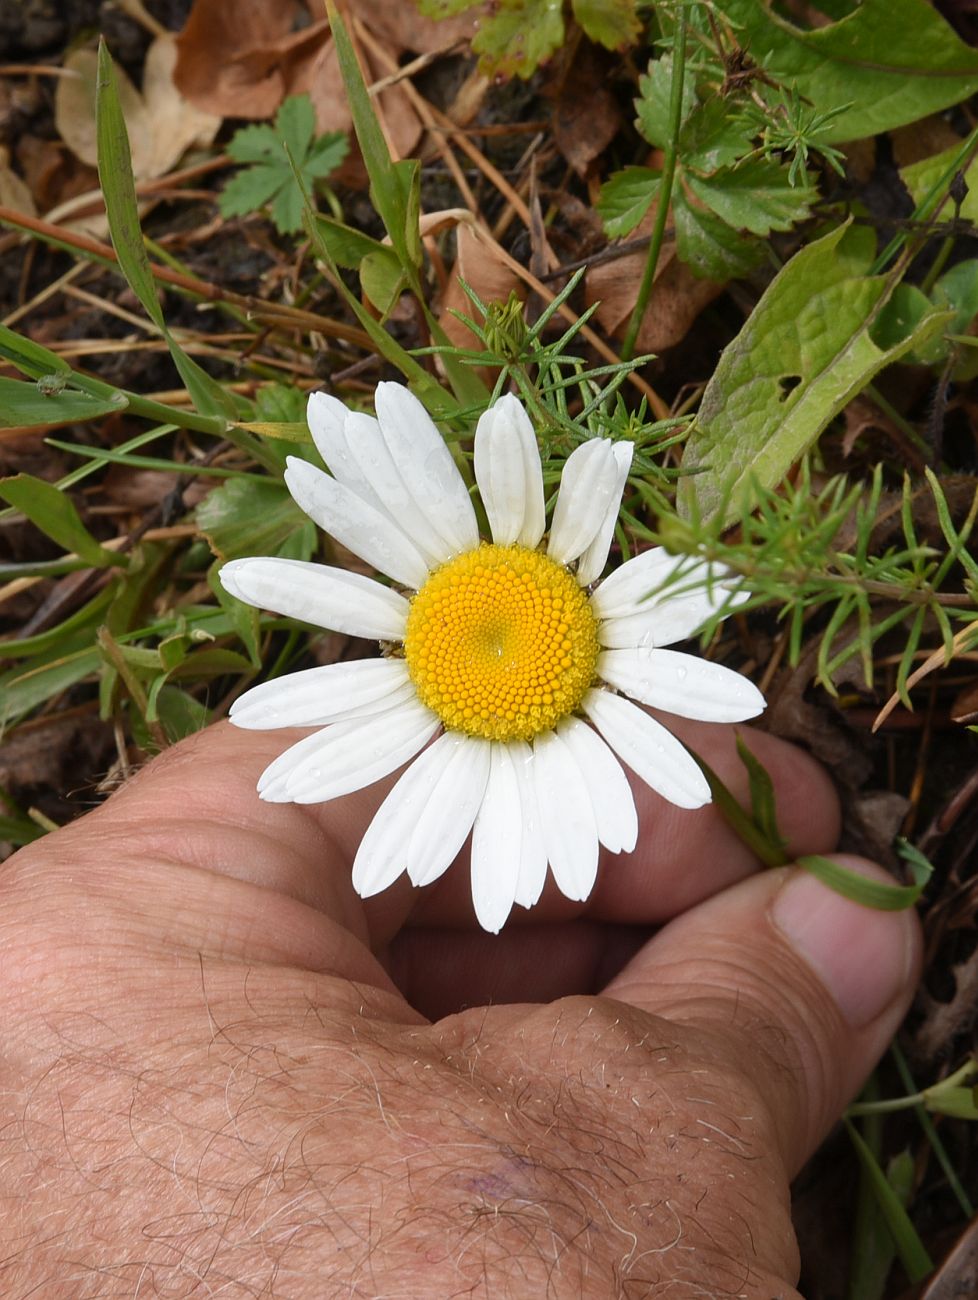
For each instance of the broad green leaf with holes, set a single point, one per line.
(806, 349)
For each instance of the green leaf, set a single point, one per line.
(709, 247)
(382, 279)
(119, 188)
(250, 189)
(347, 246)
(180, 715)
(805, 350)
(274, 152)
(653, 104)
(612, 23)
(710, 139)
(913, 1254)
(295, 122)
(29, 357)
(256, 143)
(518, 36)
(23, 403)
(55, 515)
(626, 197)
(756, 196)
(921, 178)
(445, 8)
(326, 154)
(394, 187)
(22, 689)
(891, 61)
(249, 517)
(870, 893)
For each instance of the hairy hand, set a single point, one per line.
(225, 1075)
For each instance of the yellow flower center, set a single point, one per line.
(501, 643)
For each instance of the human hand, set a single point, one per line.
(219, 1078)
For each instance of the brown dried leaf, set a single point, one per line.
(162, 124)
(678, 296)
(233, 55)
(585, 123)
(401, 27)
(956, 1277)
(14, 192)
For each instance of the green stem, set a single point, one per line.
(927, 1124)
(665, 192)
(155, 411)
(937, 266)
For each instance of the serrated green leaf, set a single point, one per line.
(626, 197)
(24, 403)
(709, 247)
(326, 154)
(248, 517)
(518, 36)
(295, 122)
(756, 196)
(612, 23)
(54, 514)
(710, 139)
(256, 143)
(805, 350)
(892, 61)
(652, 106)
(251, 188)
(286, 209)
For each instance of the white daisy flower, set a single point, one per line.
(500, 654)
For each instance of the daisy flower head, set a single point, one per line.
(511, 679)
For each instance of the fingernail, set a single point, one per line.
(863, 956)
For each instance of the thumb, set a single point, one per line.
(803, 988)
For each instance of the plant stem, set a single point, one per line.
(665, 192)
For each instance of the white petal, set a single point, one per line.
(318, 593)
(587, 486)
(652, 753)
(533, 852)
(507, 469)
(611, 795)
(682, 606)
(351, 755)
(319, 695)
(382, 854)
(592, 562)
(496, 840)
(361, 527)
(683, 684)
(443, 823)
(426, 466)
(623, 592)
(327, 417)
(372, 455)
(566, 816)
